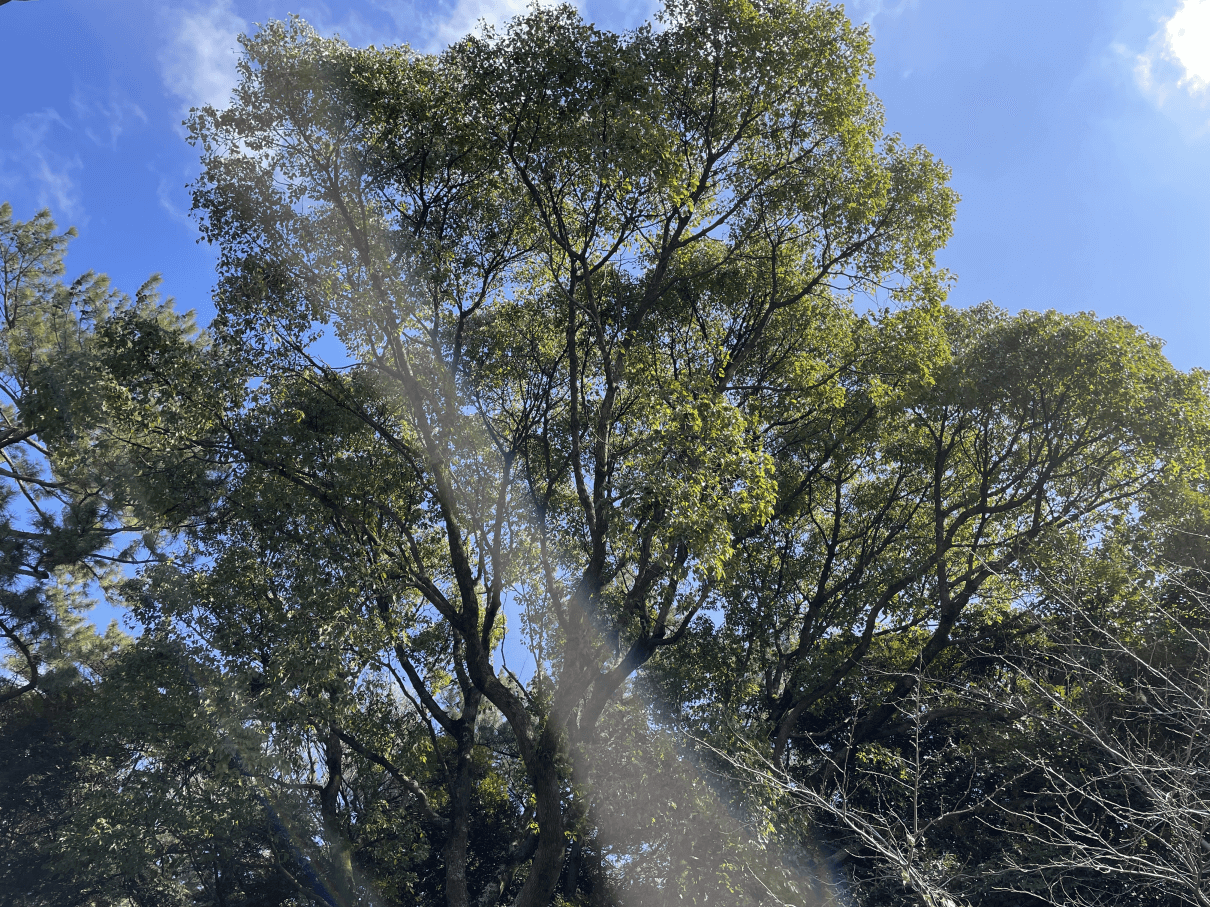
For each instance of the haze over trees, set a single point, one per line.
(658, 534)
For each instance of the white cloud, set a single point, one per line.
(198, 62)
(1188, 41)
(1178, 56)
(36, 163)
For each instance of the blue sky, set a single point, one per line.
(1078, 134)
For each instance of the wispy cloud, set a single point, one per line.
(466, 15)
(868, 11)
(198, 62)
(164, 194)
(353, 26)
(35, 162)
(105, 116)
(433, 26)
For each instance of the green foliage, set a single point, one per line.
(80, 442)
(667, 538)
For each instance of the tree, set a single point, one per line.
(1121, 685)
(47, 770)
(83, 454)
(71, 478)
(655, 429)
(609, 378)
(578, 269)
(881, 621)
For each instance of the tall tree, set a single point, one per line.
(84, 449)
(74, 441)
(649, 417)
(580, 273)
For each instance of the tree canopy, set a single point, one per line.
(585, 496)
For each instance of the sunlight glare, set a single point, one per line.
(1188, 33)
